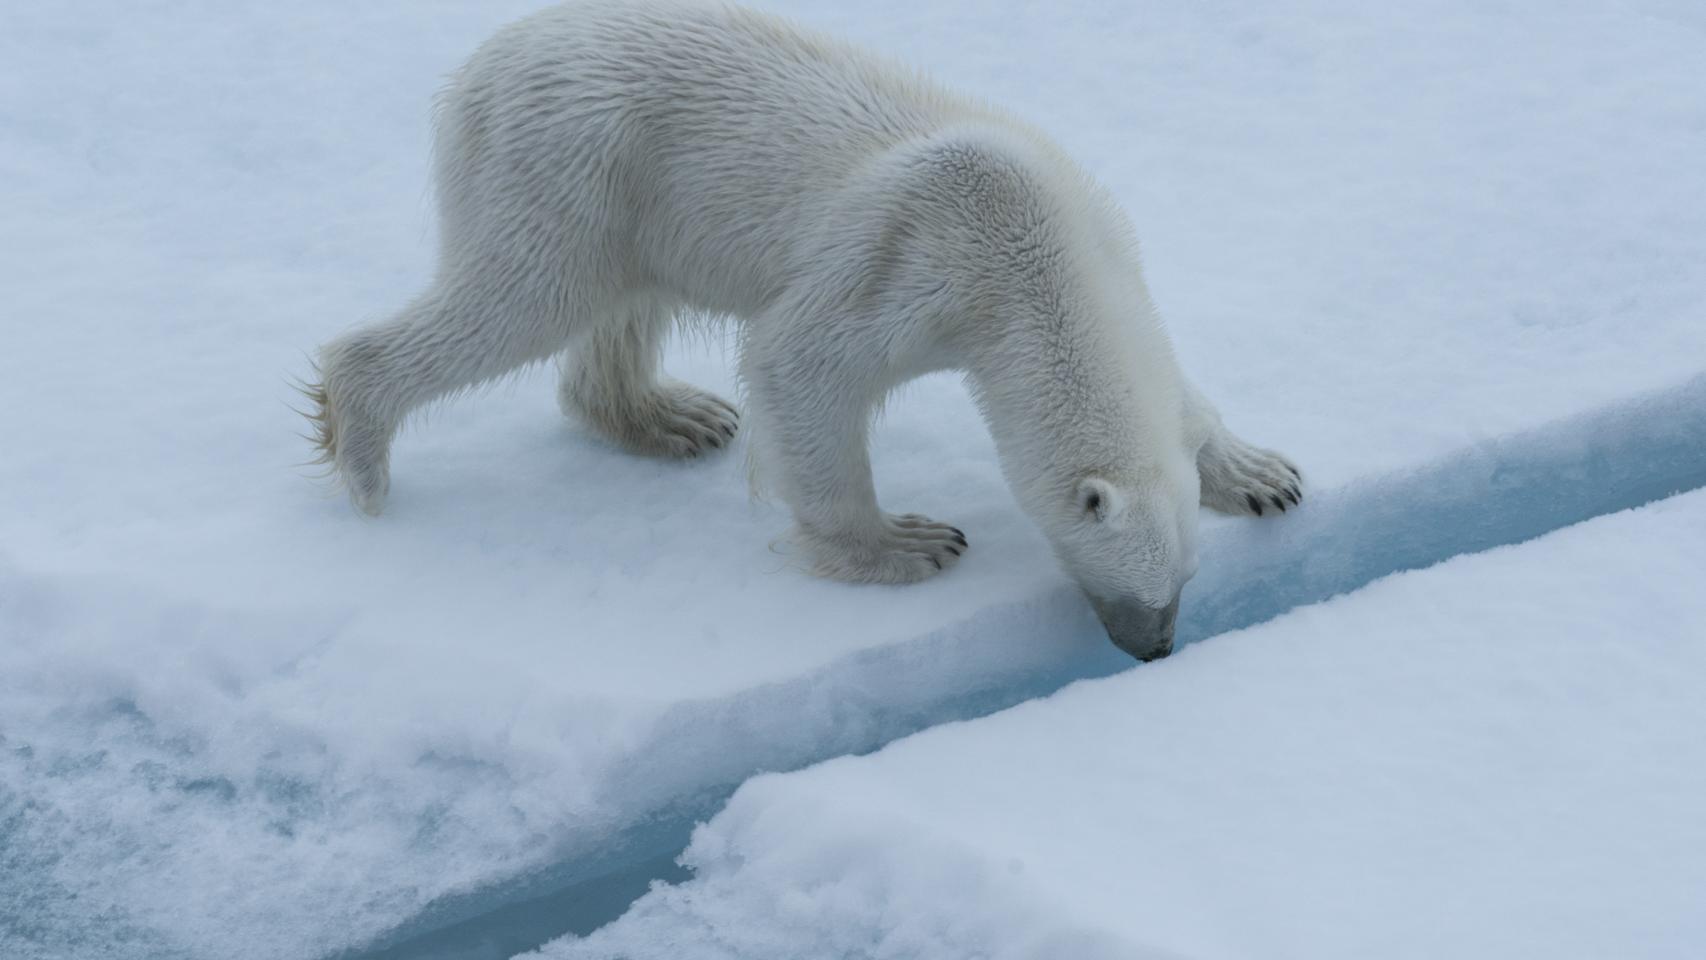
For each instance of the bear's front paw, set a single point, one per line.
(1243, 480)
(903, 548)
(673, 421)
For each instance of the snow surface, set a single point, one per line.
(1497, 757)
(1450, 257)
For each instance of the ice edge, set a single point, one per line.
(1498, 492)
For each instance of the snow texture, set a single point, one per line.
(1451, 257)
(1496, 757)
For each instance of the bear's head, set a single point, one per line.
(1130, 542)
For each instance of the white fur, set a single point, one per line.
(602, 166)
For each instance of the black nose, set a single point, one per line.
(1143, 631)
(1153, 653)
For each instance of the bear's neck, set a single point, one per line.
(1062, 401)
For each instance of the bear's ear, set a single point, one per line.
(1098, 499)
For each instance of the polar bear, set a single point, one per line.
(604, 165)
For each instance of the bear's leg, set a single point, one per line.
(1237, 478)
(611, 383)
(814, 398)
(372, 378)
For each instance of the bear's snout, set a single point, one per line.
(1143, 631)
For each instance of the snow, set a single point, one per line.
(1451, 259)
(1496, 757)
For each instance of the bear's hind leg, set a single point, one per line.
(611, 383)
(372, 378)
